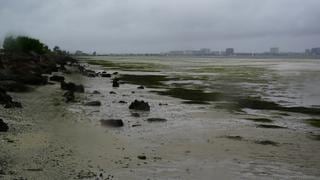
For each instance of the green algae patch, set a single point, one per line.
(151, 81)
(262, 120)
(193, 95)
(314, 122)
(196, 102)
(259, 104)
(128, 66)
(270, 126)
(314, 137)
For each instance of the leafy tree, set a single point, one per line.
(24, 44)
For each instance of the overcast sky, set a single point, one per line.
(117, 26)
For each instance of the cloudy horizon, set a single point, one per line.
(127, 26)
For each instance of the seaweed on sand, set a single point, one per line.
(263, 120)
(257, 103)
(314, 122)
(151, 81)
(192, 95)
(270, 126)
(267, 142)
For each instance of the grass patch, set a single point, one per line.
(262, 120)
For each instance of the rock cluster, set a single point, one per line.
(139, 105)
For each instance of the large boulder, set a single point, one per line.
(112, 122)
(56, 78)
(69, 96)
(115, 83)
(72, 87)
(105, 74)
(139, 105)
(3, 126)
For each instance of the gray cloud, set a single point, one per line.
(162, 25)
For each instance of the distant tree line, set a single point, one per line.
(24, 44)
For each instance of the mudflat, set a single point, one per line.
(216, 119)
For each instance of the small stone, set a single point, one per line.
(142, 157)
(156, 120)
(112, 122)
(141, 87)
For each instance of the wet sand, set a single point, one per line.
(50, 139)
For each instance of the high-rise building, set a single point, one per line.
(205, 51)
(315, 51)
(274, 50)
(229, 51)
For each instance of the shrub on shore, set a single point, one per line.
(24, 44)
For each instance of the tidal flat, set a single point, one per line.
(198, 100)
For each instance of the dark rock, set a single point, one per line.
(69, 96)
(93, 103)
(4, 97)
(96, 92)
(57, 78)
(105, 75)
(267, 142)
(156, 120)
(92, 75)
(141, 87)
(135, 114)
(122, 102)
(142, 157)
(115, 83)
(72, 87)
(163, 104)
(112, 92)
(3, 126)
(112, 122)
(139, 105)
(136, 125)
(115, 73)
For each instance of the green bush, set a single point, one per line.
(24, 44)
